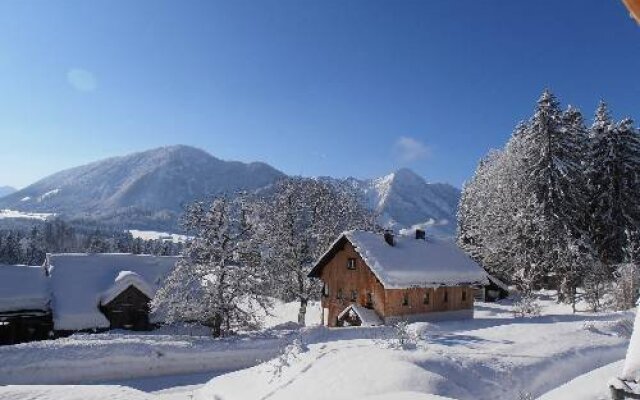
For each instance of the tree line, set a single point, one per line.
(558, 205)
(29, 245)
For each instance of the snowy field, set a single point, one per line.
(7, 214)
(155, 235)
(496, 356)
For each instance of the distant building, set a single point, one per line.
(79, 292)
(372, 278)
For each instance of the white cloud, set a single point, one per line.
(82, 80)
(408, 149)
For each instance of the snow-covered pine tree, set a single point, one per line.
(221, 280)
(522, 214)
(630, 155)
(579, 256)
(484, 214)
(300, 218)
(606, 174)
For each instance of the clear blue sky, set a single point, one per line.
(314, 88)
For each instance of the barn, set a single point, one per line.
(369, 277)
(25, 313)
(94, 292)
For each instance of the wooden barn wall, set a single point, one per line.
(416, 305)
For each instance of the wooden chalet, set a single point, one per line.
(372, 278)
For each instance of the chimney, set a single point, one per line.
(388, 237)
(421, 234)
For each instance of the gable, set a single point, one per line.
(131, 295)
(125, 281)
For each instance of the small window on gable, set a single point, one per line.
(446, 296)
(405, 299)
(354, 295)
(464, 295)
(325, 290)
(351, 263)
(369, 299)
(339, 294)
(426, 298)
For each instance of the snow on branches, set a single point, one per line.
(221, 278)
(555, 202)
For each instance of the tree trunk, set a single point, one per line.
(302, 312)
(216, 325)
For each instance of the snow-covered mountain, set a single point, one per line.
(404, 199)
(146, 189)
(6, 190)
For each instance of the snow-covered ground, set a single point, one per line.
(155, 235)
(492, 356)
(6, 214)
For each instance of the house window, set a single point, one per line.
(464, 295)
(325, 290)
(339, 294)
(354, 295)
(369, 299)
(426, 298)
(351, 263)
(446, 296)
(405, 299)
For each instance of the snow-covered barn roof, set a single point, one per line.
(80, 282)
(409, 262)
(124, 280)
(23, 288)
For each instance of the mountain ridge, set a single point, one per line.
(148, 190)
(6, 190)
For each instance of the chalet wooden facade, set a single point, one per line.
(408, 278)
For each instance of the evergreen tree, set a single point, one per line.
(606, 182)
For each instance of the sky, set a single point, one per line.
(342, 88)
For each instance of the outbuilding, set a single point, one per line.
(25, 312)
(94, 292)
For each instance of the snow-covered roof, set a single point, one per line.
(124, 280)
(367, 316)
(23, 288)
(81, 281)
(409, 262)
